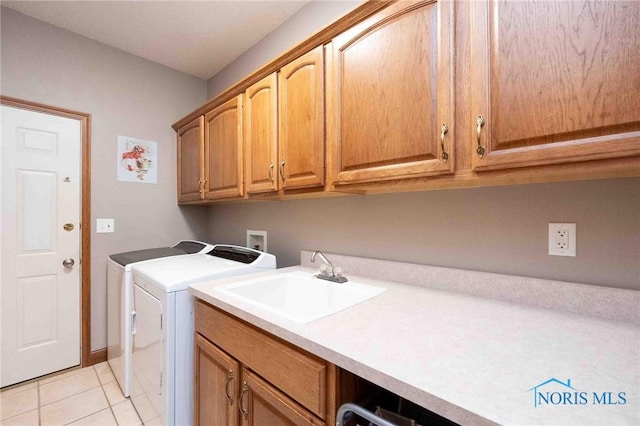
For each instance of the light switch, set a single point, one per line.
(104, 226)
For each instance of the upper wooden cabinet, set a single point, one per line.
(554, 82)
(428, 94)
(301, 121)
(191, 160)
(390, 95)
(223, 150)
(284, 127)
(261, 135)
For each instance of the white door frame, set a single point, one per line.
(87, 357)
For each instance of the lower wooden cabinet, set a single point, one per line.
(224, 396)
(245, 376)
(217, 377)
(262, 404)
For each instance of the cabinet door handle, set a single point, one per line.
(226, 387)
(479, 124)
(443, 131)
(245, 389)
(282, 171)
(271, 166)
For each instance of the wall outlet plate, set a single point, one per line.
(104, 226)
(562, 239)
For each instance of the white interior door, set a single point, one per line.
(40, 287)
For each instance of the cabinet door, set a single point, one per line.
(262, 404)
(301, 117)
(554, 81)
(191, 160)
(391, 95)
(216, 385)
(223, 150)
(261, 135)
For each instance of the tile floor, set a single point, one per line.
(82, 397)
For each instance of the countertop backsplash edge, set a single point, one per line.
(584, 299)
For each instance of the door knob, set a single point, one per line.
(68, 262)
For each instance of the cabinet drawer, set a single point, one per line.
(300, 375)
(266, 405)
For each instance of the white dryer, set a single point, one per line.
(119, 297)
(163, 327)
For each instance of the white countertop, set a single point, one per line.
(470, 359)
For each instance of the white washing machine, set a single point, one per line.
(163, 327)
(119, 296)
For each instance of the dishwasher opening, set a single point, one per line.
(385, 405)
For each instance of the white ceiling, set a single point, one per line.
(196, 37)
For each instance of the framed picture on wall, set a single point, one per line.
(137, 160)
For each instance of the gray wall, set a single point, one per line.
(306, 22)
(499, 229)
(126, 96)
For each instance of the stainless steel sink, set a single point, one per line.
(300, 296)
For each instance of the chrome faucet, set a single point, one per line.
(332, 275)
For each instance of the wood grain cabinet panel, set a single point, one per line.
(262, 404)
(279, 384)
(301, 121)
(261, 135)
(223, 150)
(304, 377)
(554, 82)
(217, 384)
(541, 91)
(390, 88)
(190, 140)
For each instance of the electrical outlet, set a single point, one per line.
(562, 239)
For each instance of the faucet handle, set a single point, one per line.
(327, 270)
